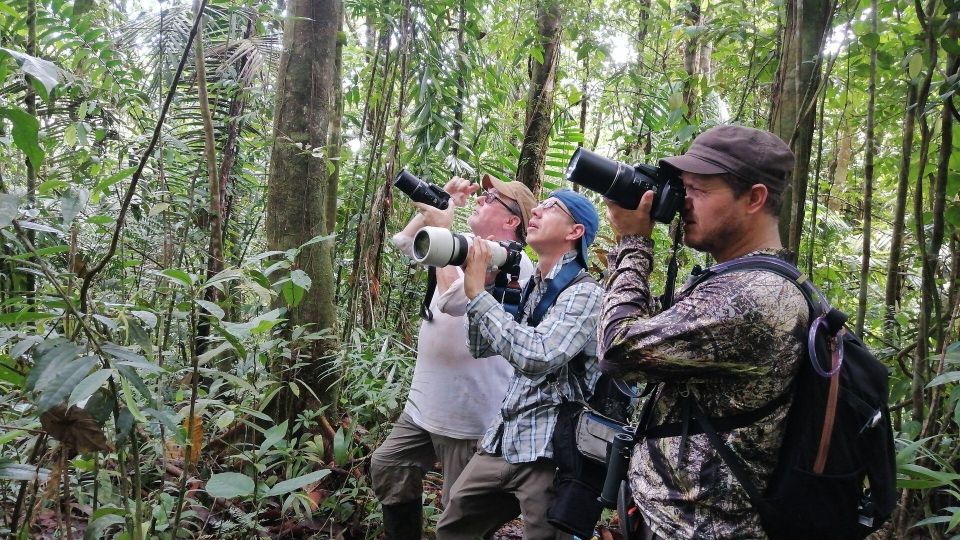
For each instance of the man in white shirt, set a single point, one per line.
(453, 397)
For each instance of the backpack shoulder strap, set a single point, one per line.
(815, 299)
(571, 274)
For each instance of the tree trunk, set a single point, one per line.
(300, 186)
(214, 208)
(894, 273)
(536, 135)
(461, 83)
(868, 181)
(792, 111)
(696, 61)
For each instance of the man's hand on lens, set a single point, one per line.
(475, 268)
(460, 190)
(434, 217)
(631, 222)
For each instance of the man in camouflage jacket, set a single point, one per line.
(734, 341)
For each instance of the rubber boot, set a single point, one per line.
(403, 521)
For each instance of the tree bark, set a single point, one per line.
(868, 181)
(536, 135)
(300, 185)
(894, 273)
(214, 207)
(792, 111)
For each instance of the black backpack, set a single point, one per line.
(829, 483)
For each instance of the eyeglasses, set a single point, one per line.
(493, 195)
(551, 203)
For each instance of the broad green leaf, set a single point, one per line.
(923, 473)
(870, 40)
(23, 472)
(229, 485)
(44, 71)
(301, 279)
(25, 133)
(102, 186)
(537, 54)
(946, 378)
(9, 206)
(211, 308)
(272, 436)
(951, 45)
(48, 359)
(914, 65)
(72, 203)
(293, 484)
(341, 447)
(149, 318)
(39, 227)
(67, 378)
(224, 420)
(98, 527)
(128, 374)
(178, 275)
(225, 275)
(129, 399)
(316, 239)
(88, 386)
(11, 375)
(120, 352)
(23, 346)
(215, 352)
(139, 336)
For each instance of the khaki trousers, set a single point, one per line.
(409, 452)
(491, 492)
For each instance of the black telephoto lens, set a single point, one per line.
(625, 184)
(605, 176)
(420, 191)
(618, 462)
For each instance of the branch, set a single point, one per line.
(143, 163)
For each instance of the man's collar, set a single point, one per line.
(567, 257)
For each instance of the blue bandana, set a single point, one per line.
(583, 213)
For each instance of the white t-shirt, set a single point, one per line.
(454, 394)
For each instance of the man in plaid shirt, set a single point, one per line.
(513, 470)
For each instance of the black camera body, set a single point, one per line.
(625, 184)
(420, 191)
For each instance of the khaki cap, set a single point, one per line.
(516, 191)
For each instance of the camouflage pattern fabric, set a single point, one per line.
(734, 342)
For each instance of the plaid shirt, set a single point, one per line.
(735, 342)
(523, 428)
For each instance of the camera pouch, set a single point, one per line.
(593, 433)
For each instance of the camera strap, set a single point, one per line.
(666, 301)
(428, 297)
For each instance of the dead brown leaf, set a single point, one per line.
(75, 428)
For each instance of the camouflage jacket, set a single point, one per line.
(734, 342)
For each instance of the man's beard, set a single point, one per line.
(722, 233)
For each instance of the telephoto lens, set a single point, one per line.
(625, 184)
(420, 191)
(618, 461)
(436, 246)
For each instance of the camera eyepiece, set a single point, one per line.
(625, 184)
(420, 191)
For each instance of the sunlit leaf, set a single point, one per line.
(25, 133)
(293, 484)
(229, 485)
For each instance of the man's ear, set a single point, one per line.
(511, 223)
(757, 194)
(576, 232)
